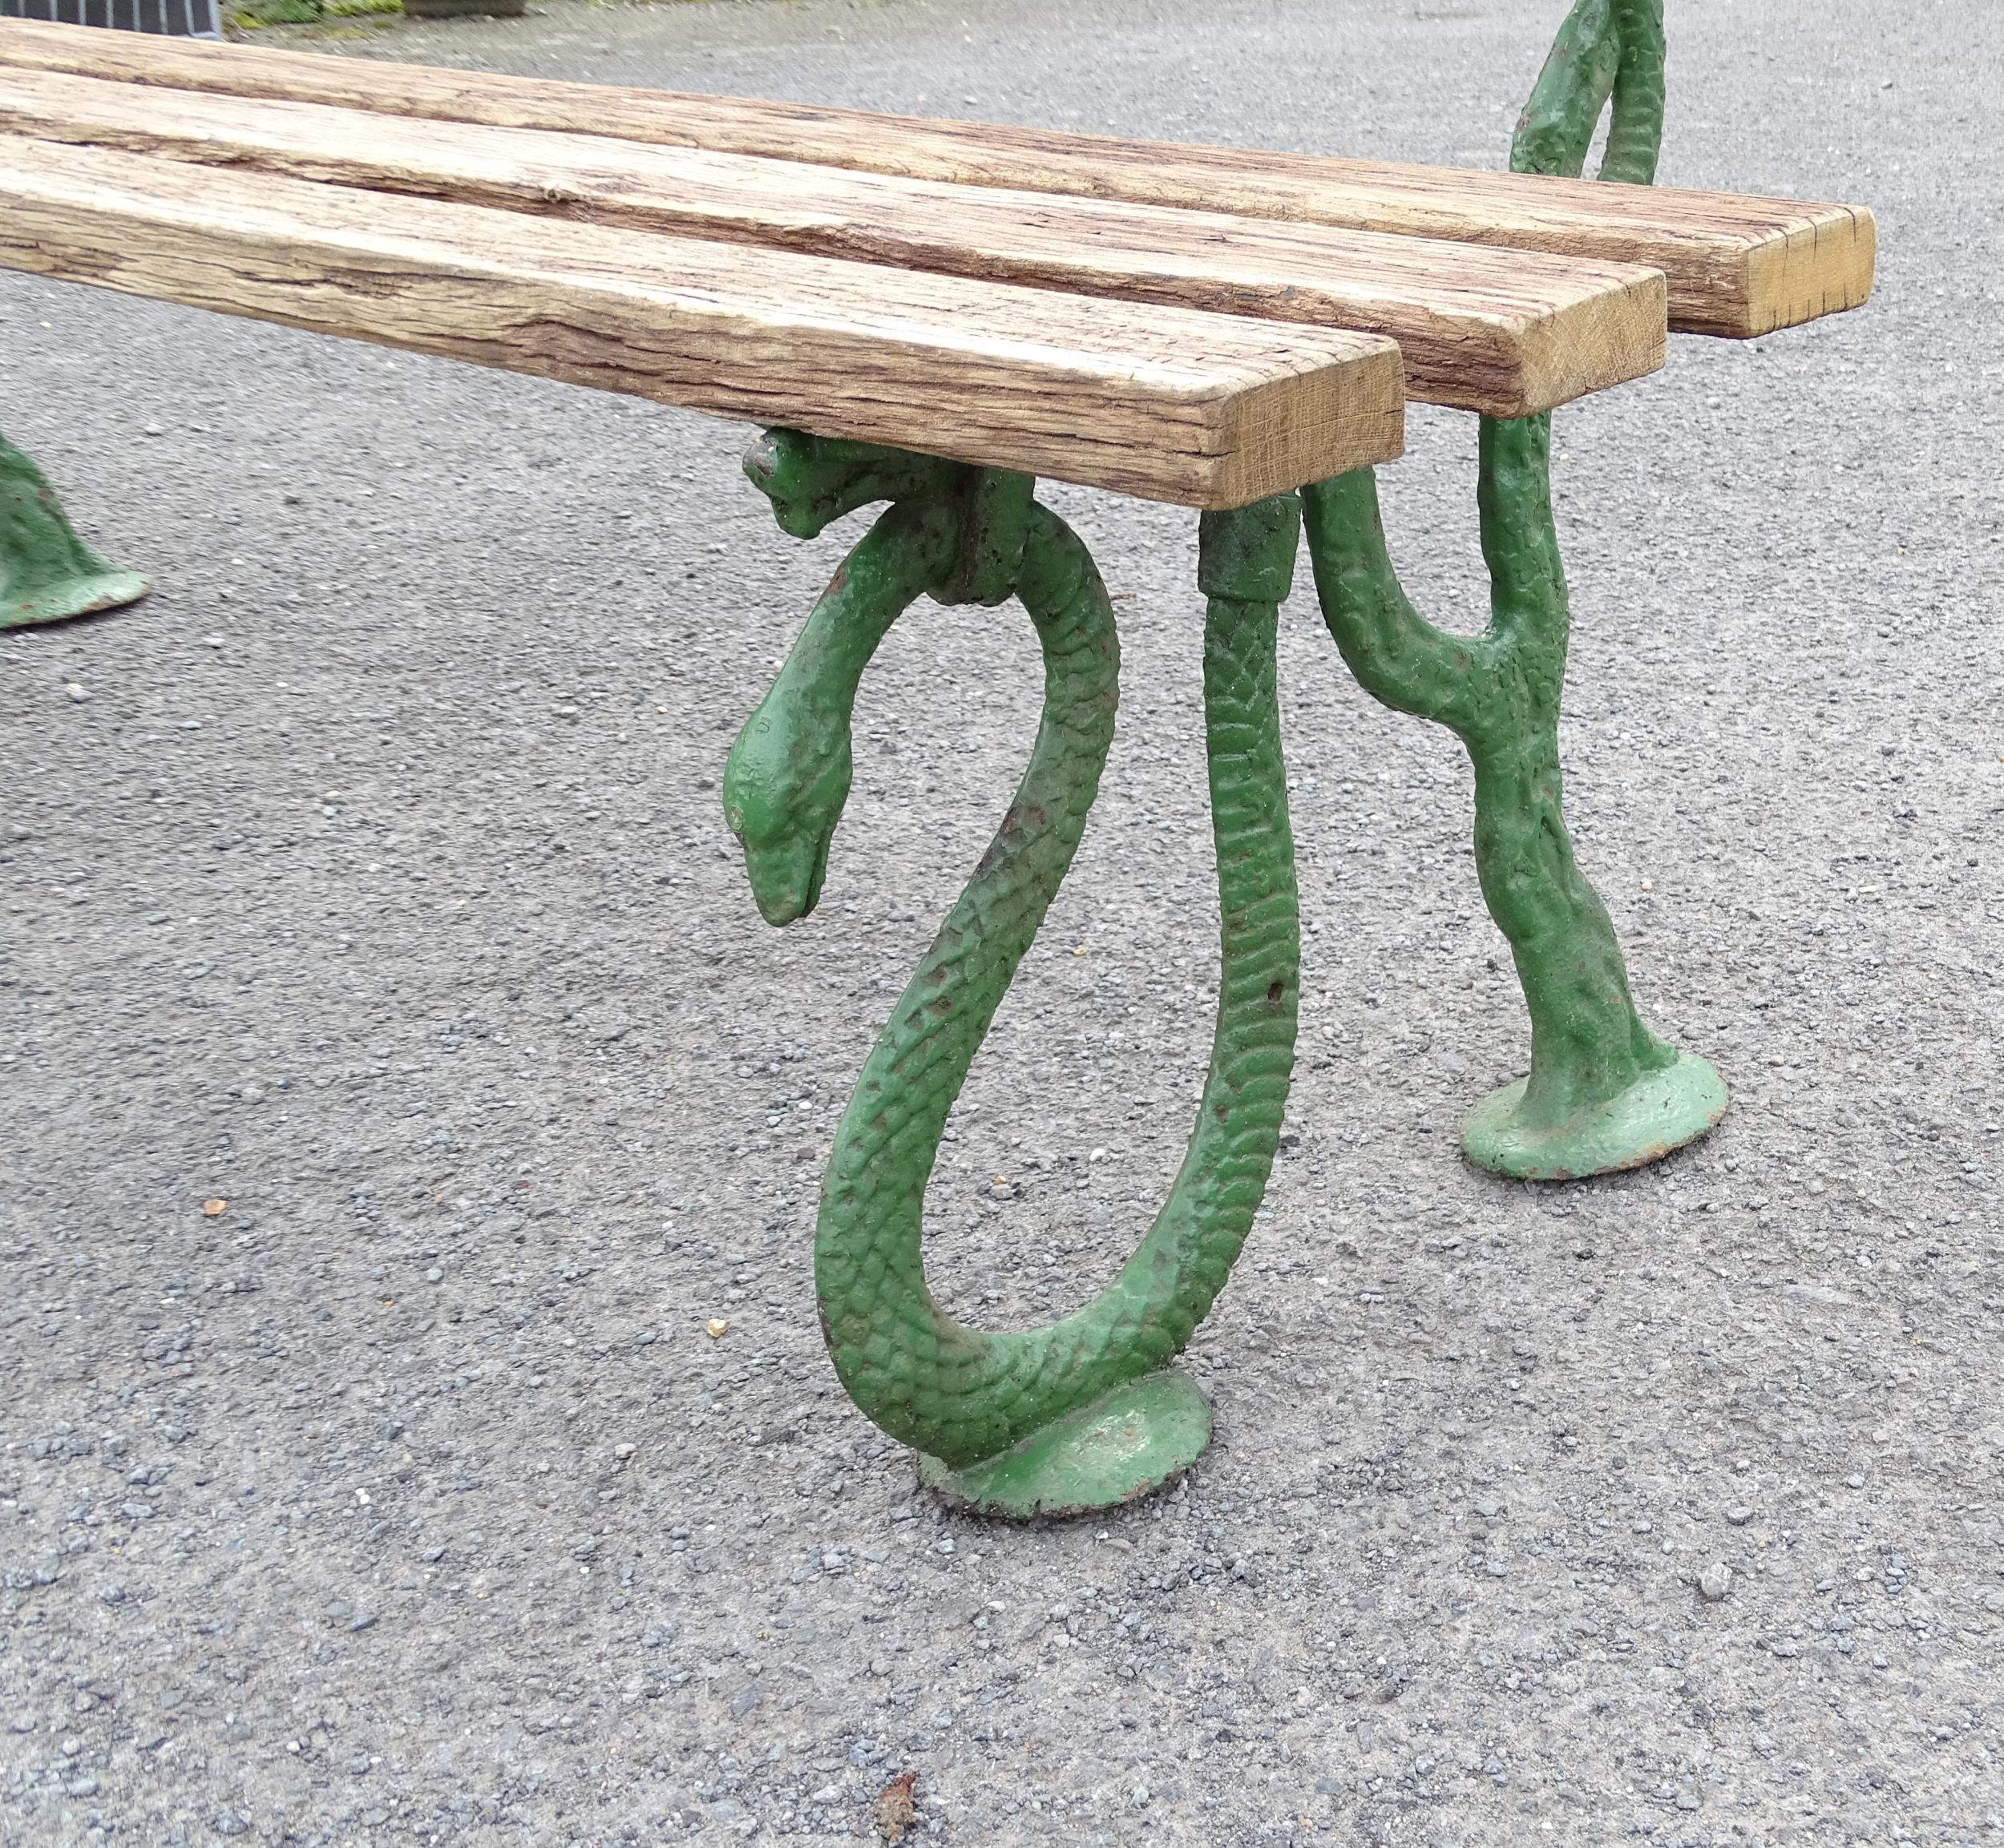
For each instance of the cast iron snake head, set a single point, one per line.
(953, 531)
(785, 783)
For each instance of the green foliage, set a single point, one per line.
(248, 15)
(255, 12)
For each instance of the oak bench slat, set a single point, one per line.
(1169, 403)
(1736, 266)
(1501, 331)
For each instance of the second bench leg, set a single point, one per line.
(1603, 1091)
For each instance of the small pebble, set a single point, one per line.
(1738, 1517)
(1715, 1582)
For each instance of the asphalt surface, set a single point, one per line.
(371, 879)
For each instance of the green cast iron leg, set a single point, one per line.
(1607, 51)
(47, 574)
(1603, 1092)
(1084, 1413)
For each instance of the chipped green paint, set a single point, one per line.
(1604, 1092)
(47, 574)
(1080, 1414)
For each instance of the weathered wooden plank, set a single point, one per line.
(1736, 266)
(1170, 404)
(1507, 332)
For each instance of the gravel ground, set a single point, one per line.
(371, 879)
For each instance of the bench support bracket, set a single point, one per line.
(1083, 1414)
(47, 574)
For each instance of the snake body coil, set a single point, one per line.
(958, 1393)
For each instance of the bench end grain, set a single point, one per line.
(1823, 265)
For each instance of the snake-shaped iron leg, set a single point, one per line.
(47, 574)
(1081, 1414)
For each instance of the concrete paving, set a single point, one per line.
(371, 879)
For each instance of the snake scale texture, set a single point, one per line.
(959, 1393)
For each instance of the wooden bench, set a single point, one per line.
(931, 314)
(1734, 266)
